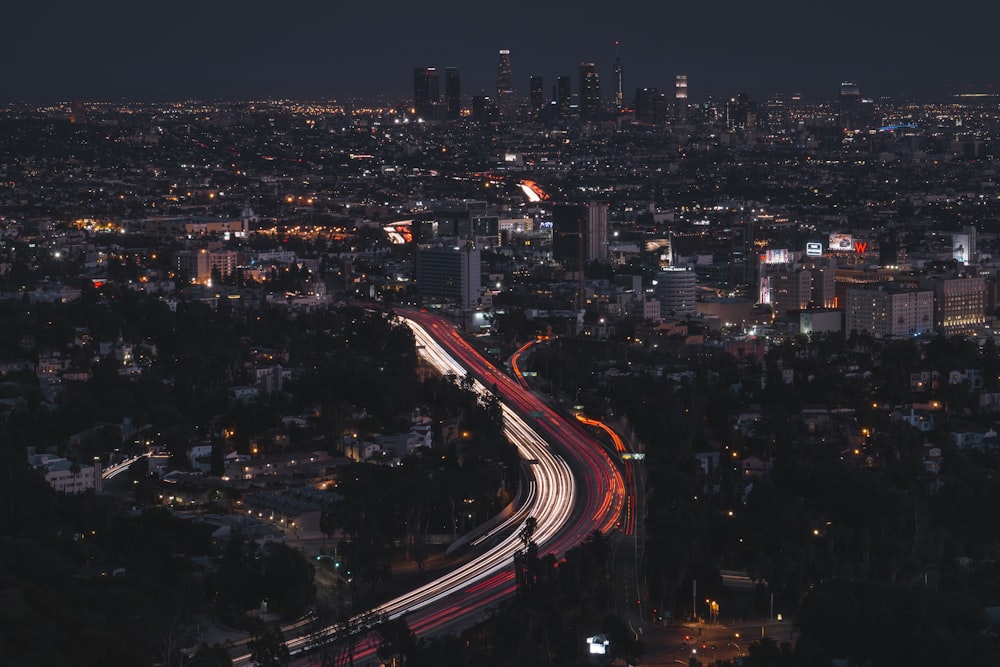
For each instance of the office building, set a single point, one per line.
(590, 92)
(681, 88)
(675, 288)
(650, 106)
(850, 106)
(426, 89)
(563, 96)
(681, 96)
(453, 92)
(786, 287)
(741, 113)
(536, 98)
(484, 109)
(198, 266)
(822, 272)
(452, 274)
(597, 231)
(888, 250)
(963, 245)
(618, 79)
(505, 80)
(959, 304)
(569, 229)
(889, 312)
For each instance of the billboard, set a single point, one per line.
(814, 249)
(780, 256)
(841, 242)
(765, 289)
(960, 247)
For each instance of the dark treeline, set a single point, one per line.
(876, 558)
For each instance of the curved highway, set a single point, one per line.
(576, 488)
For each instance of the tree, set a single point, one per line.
(215, 655)
(267, 646)
(287, 579)
(395, 640)
(526, 558)
(327, 523)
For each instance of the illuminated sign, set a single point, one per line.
(960, 247)
(814, 249)
(598, 644)
(775, 257)
(861, 247)
(841, 242)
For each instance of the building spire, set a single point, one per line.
(618, 77)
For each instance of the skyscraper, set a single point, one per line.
(453, 274)
(649, 105)
(590, 92)
(536, 98)
(850, 106)
(563, 96)
(675, 288)
(484, 109)
(569, 229)
(681, 88)
(741, 113)
(505, 81)
(426, 89)
(453, 92)
(618, 79)
(681, 96)
(597, 231)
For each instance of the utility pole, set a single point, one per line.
(694, 602)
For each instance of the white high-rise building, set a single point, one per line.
(597, 231)
(675, 289)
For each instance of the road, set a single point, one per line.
(576, 488)
(628, 549)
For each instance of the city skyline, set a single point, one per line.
(238, 51)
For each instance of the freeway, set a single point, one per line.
(600, 490)
(627, 553)
(575, 489)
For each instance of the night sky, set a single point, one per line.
(225, 49)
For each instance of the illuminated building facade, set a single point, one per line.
(197, 266)
(450, 273)
(850, 106)
(505, 81)
(597, 231)
(959, 304)
(681, 95)
(887, 312)
(822, 271)
(675, 288)
(786, 287)
(681, 88)
(590, 92)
